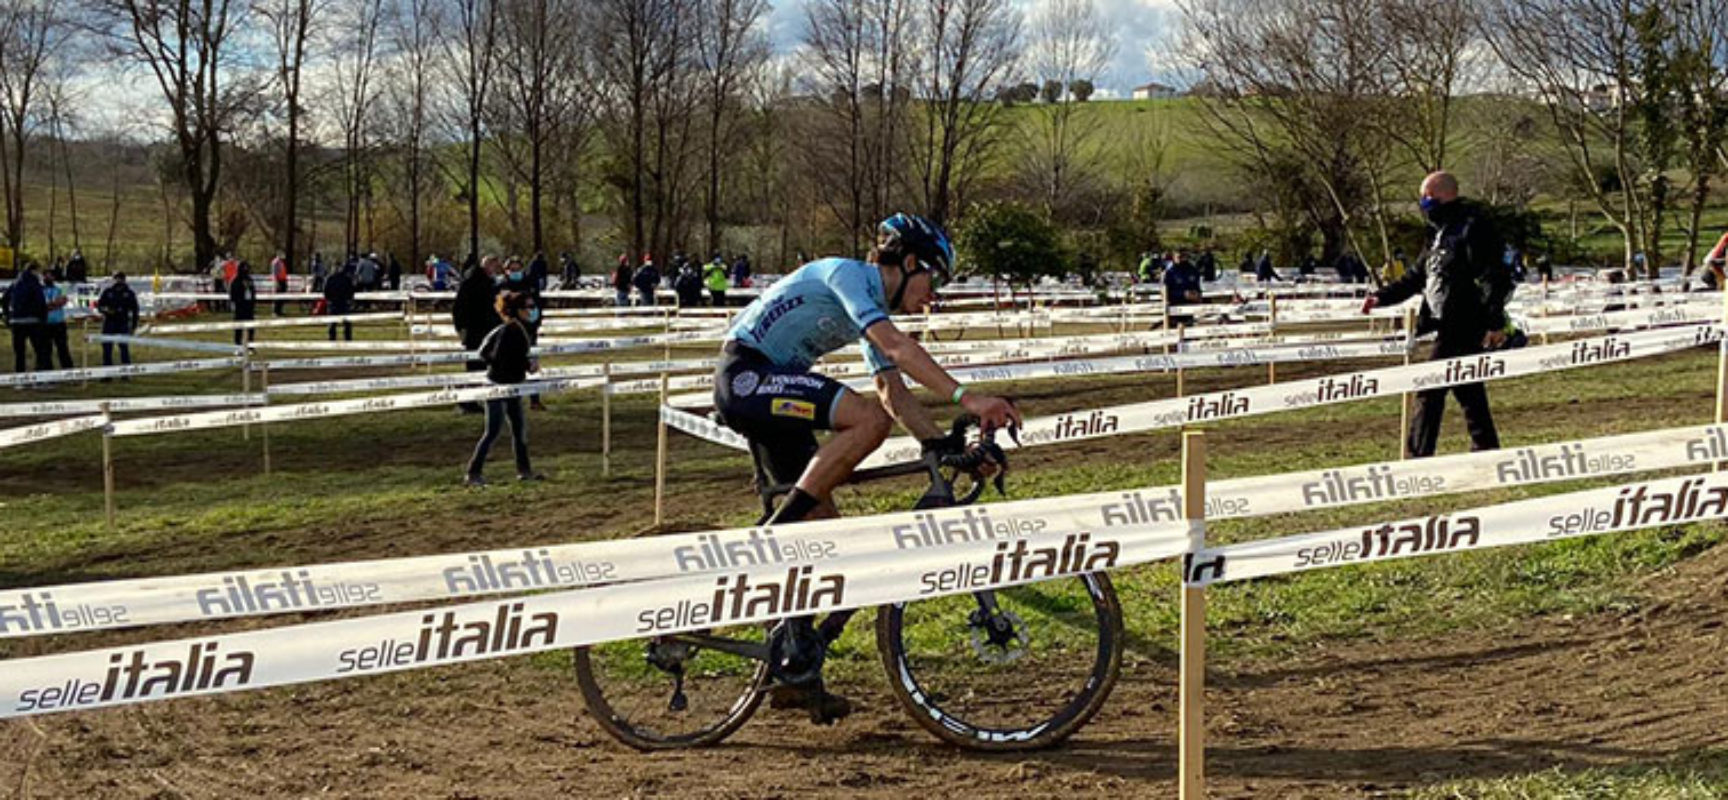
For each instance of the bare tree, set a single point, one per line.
(538, 88)
(968, 47)
(471, 56)
(355, 48)
(645, 71)
(291, 24)
(414, 32)
(31, 32)
(1434, 53)
(729, 46)
(1295, 81)
(1578, 57)
(1703, 104)
(187, 47)
(1070, 41)
(857, 73)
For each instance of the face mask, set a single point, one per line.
(533, 315)
(1427, 204)
(515, 274)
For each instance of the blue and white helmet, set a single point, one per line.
(922, 239)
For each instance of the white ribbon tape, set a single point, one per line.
(13, 437)
(98, 373)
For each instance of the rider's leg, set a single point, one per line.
(860, 426)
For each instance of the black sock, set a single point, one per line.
(798, 505)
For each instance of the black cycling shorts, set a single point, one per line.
(778, 410)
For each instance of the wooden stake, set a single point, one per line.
(660, 455)
(246, 387)
(264, 427)
(1722, 373)
(1409, 403)
(108, 466)
(1181, 375)
(1272, 330)
(606, 421)
(1191, 743)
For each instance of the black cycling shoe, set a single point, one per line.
(825, 707)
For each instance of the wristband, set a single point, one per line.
(959, 392)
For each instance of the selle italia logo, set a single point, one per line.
(133, 675)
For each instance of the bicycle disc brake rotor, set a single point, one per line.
(999, 638)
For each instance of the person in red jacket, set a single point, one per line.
(279, 274)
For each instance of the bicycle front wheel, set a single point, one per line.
(1019, 668)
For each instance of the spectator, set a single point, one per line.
(118, 305)
(504, 351)
(439, 272)
(714, 276)
(243, 293)
(474, 314)
(54, 323)
(1181, 287)
(521, 281)
(569, 273)
(27, 316)
(319, 272)
(1208, 266)
(537, 275)
(646, 280)
(77, 269)
(395, 274)
(339, 300)
(1545, 267)
(1263, 271)
(279, 276)
(741, 271)
(1308, 266)
(1464, 286)
(1148, 269)
(687, 284)
(1247, 264)
(621, 281)
(366, 273)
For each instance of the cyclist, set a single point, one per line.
(764, 390)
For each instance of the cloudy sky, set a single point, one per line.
(1139, 25)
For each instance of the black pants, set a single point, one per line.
(108, 354)
(347, 327)
(281, 288)
(497, 411)
(718, 296)
(27, 335)
(54, 336)
(242, 335)
(1473, 397)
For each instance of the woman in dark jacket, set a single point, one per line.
(505, 351)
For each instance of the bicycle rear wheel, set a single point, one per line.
(1019, 668)
(678, 691)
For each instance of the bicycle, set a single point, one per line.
(1007, 669)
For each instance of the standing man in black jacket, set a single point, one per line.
(1464, 285)
(243, 293)
(26, 312)
(339, 300)
(474, 313)
(118, 305)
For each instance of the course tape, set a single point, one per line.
(746, 595)
(1310, 392)
(1640, 318)
(124, 404)
(1669, 501)
(165, 344)
(279, 322)
(148, 601)
(13, 437)
(125, 371)
(334, 408)
(572, 618)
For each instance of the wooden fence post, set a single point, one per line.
(660, 455)
(1409, 398)
(108, 466)
(606, 421)
(1191, 745)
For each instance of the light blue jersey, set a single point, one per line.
(820, 308)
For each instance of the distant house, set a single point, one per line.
(1154, 91)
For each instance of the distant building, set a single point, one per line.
(1154, 91)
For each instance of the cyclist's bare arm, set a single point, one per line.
(909, 356)
(903, 406)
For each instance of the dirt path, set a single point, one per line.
(1350, 720)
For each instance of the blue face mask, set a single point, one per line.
(1427, 204)
(533, 315)
(515, 274)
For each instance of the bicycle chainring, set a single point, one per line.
(999, 638)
